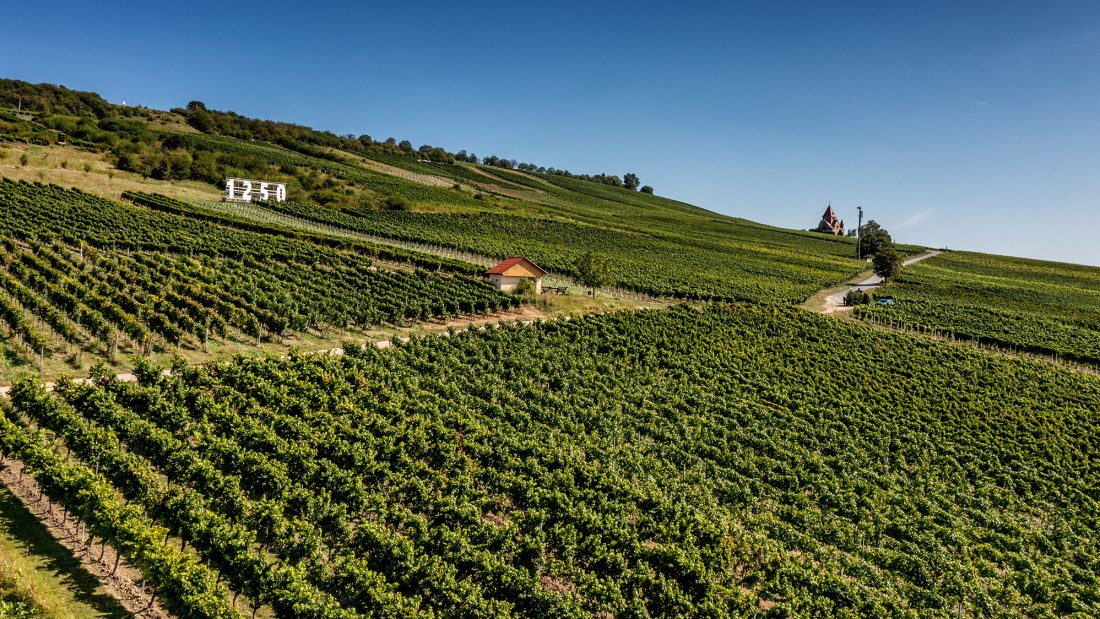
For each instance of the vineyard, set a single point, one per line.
(735, 457)
(71, 288)
(35, 209)
(655, 246)
(1017, 304)
(652, 464)
(760, 265)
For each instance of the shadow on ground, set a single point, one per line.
(32, 536)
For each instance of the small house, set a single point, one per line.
(508, 274)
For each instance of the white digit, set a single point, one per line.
(263, 191)
(247, 195)
(229, 188)
(280, 192)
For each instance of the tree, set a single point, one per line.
(396, 203)
(202, 120)
(873, 239)
(647, 189)
(630, 181)
(887, 263)
(593, 271)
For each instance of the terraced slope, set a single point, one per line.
(718, 259)
(1048, 308)
(80, 273)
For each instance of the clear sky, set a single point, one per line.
(970, 125)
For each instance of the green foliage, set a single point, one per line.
(887, 262)
(688, 462)
(78, 289)
(185, 586)
(15, 606)
(397, 203)
(16, 603)
(646, 189)
(593, 271)
(873, 239)
(857, 297)
(525, 287)
(653, 250)
(1042, 307)
(630, 181)
(47, 98)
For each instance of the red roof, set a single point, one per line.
(500, 268)
(830, 214)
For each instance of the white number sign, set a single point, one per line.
(243, 190)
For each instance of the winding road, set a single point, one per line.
(834, 303)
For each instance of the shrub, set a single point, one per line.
(397, 203)
(525, 287)
(856, 297)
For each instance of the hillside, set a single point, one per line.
(653, 244)
(711, 451)
(1035, 306)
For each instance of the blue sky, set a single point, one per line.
(972, 125)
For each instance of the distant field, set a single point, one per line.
(1036, 306)
(715, 257)
(655, 245)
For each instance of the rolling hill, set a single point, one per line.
(714, 451)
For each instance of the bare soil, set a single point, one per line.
(45, 165)
(122, 584)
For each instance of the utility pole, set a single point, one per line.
(859, 231)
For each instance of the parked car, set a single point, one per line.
(885, 301)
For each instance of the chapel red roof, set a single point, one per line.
(504, 265)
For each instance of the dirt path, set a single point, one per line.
(120, 581)
(525, 314)
(834, 302)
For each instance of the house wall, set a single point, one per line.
(507, 283)
(520, 270)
